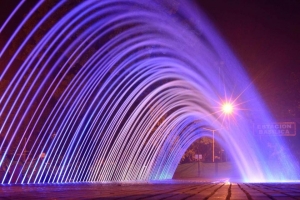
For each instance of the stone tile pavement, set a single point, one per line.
(172, 190)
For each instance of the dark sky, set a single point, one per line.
(265, 36)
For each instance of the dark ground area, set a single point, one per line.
(173, 189)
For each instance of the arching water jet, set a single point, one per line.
(97, 91)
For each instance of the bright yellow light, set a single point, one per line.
(227, 108)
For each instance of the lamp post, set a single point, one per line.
(213, 143)
(213, 131)
(227, 109)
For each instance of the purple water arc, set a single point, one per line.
(98, 91)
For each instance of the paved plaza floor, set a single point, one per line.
(154, 190)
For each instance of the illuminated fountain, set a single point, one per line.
(117, 91)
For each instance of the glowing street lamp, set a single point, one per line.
(227, 108)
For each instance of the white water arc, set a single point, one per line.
(116, 91)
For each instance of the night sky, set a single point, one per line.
(265, 36)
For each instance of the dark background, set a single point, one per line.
(265, 37)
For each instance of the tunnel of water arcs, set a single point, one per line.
(107, 91)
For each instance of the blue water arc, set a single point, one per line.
(105, 91)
